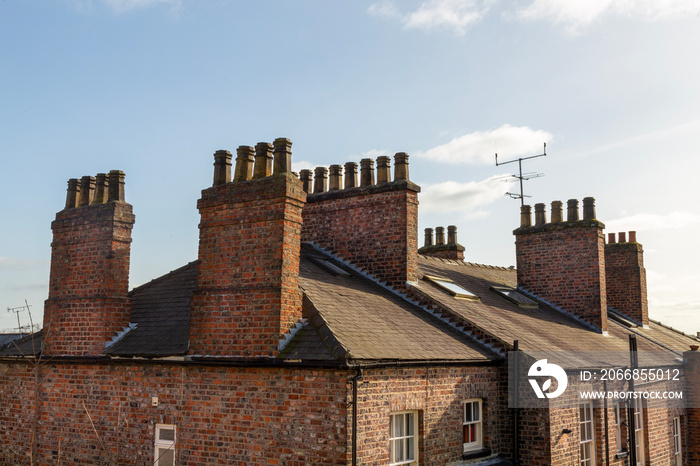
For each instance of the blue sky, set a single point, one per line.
(154, 87)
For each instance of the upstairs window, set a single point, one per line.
(639, 431)
(472, 425)
(451, 287)
(165, 445)
(587, 431)
(403, 438)
(677, 445)
(620, 427)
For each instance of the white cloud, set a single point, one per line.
(124, 6)
(452, 15)
(575, 15)
(672, 221)
(480, 147)
(467, 198)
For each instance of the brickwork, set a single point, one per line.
(692, 389)
(625, 279)
(375, 228)
(437, 394)
(224, 415)
(247, 294)
(564, 264)
(89, 280)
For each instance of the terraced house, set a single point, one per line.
(312, 329)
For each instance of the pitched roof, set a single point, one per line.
(161, 311)
(360, 320)
(539, 329)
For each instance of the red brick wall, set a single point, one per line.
(239, 415)
(625, 280)
(564, 264)
(89, 281)
(692, 392)
(247, 294)
(224, 415)
(375, 228)
(437, 394)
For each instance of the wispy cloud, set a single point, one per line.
(124, 6)
(480, 147)
(575, 15)
(467, 198)
(671, 221)
(452, 15)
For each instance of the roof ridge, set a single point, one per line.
(163, 277)
(473, 264)
(674, 329)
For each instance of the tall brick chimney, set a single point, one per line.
(626, 277)
(247, 296)
(563, 262)
(89, 282)
(374, 226)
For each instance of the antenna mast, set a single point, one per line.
(520, 176)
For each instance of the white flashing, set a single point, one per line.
(292, 333)
(120, 335)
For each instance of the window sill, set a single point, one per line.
(473, 454)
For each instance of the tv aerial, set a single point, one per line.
(522, 176)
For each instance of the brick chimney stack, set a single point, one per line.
(449, 250)
(374, 226)
(247, 296)
(88, 302)
(563, 262)
(626, 277)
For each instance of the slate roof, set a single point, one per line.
(348, 317)
(541, 329)
(360, 320)
(161, 311)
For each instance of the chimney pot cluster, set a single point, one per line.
(336, 174)
(447, 250)
(93, 190)
(622, 237)
(253, 163)
(572, 213)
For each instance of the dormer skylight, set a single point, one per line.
(451, 287)
(512, 295)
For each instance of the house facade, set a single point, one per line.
(312, 329)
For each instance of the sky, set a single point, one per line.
(155, 87)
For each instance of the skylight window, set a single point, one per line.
(512, 295)
(451, 287)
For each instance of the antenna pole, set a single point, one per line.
(520, 175)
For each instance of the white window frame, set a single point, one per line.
(677, 442)
(164, 444)
(476, 419)
(403, 438)
(639, 431)
(619, 421)
(586, 434)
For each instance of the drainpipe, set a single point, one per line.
(516, 411)
(605, 411)
(357, 377)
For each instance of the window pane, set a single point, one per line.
(467, 412)
(475, 410)
(166, 457)
(167, 434)
(409, 448)
(409, 424)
